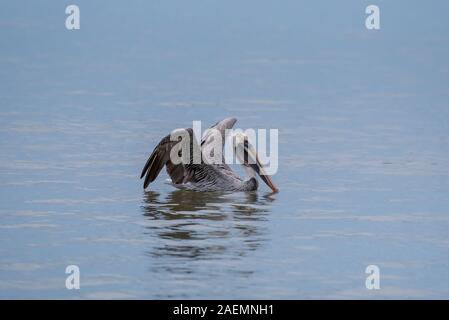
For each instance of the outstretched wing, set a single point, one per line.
(220, 127)
(160, 157)
(210, 135)
(183, 173)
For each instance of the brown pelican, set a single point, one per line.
(203, 176)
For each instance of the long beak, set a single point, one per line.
(258, 167)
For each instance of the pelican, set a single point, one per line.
(204, 176)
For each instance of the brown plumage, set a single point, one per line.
(159, 158)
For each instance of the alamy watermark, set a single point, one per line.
(372, 281)
(372, 22)
(231, 146)
(73, 280)
(72, 22)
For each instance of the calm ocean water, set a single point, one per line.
(363, 121)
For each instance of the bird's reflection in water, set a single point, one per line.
(189, 226)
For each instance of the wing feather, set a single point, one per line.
(161, 157)
(183, 173)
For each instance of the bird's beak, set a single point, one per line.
(258, 167)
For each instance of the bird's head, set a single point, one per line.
(247, 156)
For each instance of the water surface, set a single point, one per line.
(364, 158)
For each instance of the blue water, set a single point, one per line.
(363, 121)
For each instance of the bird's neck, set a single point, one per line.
(250, 184)
(250, 173)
